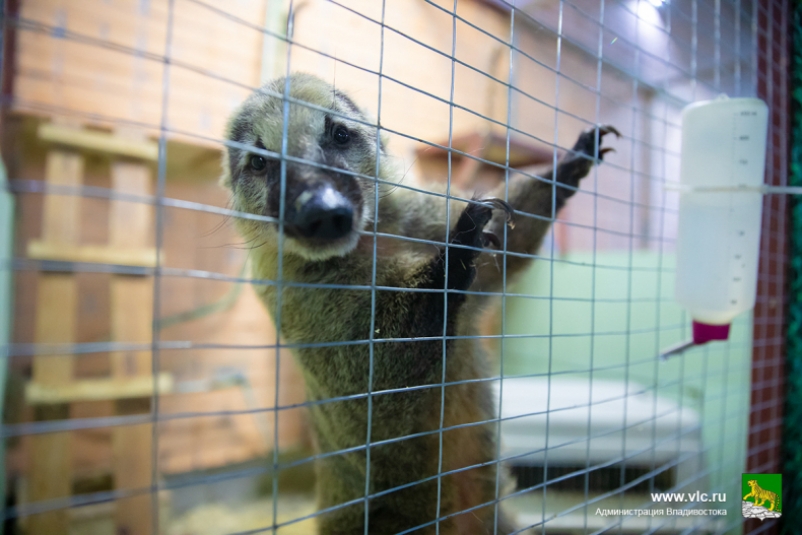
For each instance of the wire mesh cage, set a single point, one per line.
(156, 379)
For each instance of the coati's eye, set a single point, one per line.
(257, 163)
(341, 135)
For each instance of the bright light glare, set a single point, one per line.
(648, 12)
(657, 3)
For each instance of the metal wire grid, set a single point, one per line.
(741, 9)
(768, 382)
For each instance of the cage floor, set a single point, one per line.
(217, 518)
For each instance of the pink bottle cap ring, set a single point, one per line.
(704, 332)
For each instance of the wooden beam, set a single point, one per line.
(56, 304)
(131, 225)
(99, 141)
(133, 463)
(97, 389)
(51, 472)
(56, 308)
(61, 214)
(100, 254)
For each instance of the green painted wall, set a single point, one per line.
(6, 243)
(632, 316)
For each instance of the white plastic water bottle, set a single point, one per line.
(723, 149)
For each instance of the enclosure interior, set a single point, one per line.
(148, 390)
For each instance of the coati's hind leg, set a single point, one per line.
(540, 199)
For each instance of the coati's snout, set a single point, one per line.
(322, 207)
(318, 205)
(321, 214)
(323, 194)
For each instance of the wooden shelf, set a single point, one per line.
(95, 141)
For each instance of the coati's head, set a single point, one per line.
(329, 145)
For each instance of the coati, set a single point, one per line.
(421, 454)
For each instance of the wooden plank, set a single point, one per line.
(133, 463)
(55, 323)
(140, 257)
(97, 389)
(56, 310)
(131, 299)
(99, 141)
(61, 213)
(131, 321)
(130, 224)
(50, 475)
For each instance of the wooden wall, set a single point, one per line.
(105, 60)
(342, 42)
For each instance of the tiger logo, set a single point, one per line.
(761, 496)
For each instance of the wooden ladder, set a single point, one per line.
(53, 387)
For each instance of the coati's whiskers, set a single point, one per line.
(400, 181)
(254, 247)
(226, 219)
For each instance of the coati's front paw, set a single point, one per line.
(471, 224)
(576, 165)
(470, 231)
(588, 142)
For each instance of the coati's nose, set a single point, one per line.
(324, 214)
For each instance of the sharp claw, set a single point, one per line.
(501, 204)
(498, 204)
(609, 129)
(602, 129)
(491, 239)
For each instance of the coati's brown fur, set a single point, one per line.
(406, 403)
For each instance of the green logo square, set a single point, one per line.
(764, 494)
